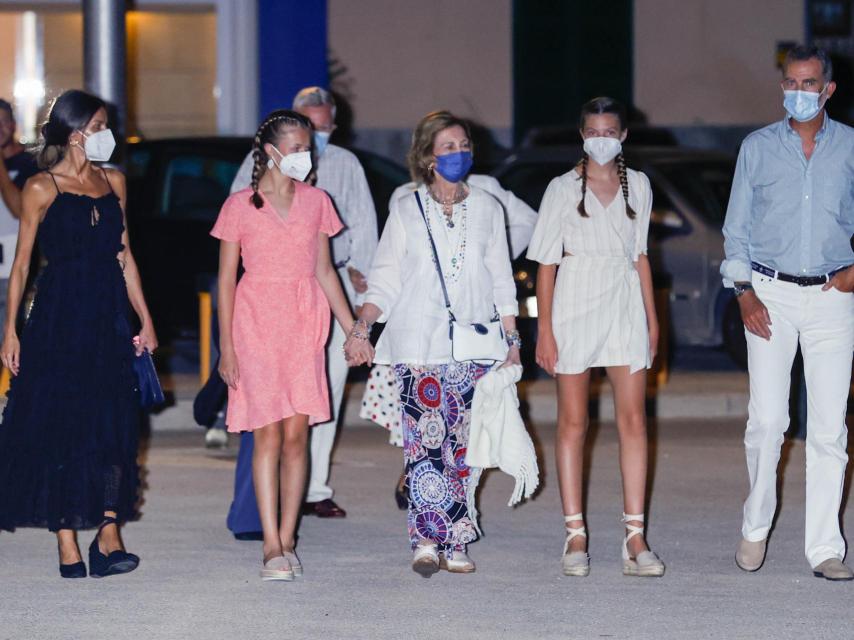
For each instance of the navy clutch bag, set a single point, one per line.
(147, 382)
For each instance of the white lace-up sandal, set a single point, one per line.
(646, 564)
(575, 563)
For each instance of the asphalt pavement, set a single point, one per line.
(196, 581)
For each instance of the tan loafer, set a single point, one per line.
(459, 562)
(425, 560)
(750, 555)
(277, 569)
(833, 569)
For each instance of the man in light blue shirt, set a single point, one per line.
(789, 257)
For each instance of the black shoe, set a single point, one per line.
(75, 570)
(117, 562)
(401, 497)
(323, 509)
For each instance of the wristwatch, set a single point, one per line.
(741, 288)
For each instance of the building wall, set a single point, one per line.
(711, 62)
(396, 61)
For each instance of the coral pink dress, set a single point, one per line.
(281, 315)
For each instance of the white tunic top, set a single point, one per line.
(340, 174)
(519, 218)
(598, 315)
(404, 283)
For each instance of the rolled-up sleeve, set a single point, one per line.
(385, 277)
(244, 174)
(547, 242)
(736, 266)
(497, 261)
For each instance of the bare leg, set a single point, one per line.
(69, 552)
(293, 471)
(629, 404)
(109, 539)
(265, 475)
(572, 419)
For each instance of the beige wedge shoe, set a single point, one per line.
(646, 564)
(575, 563)
(425, 560)
(456, 562)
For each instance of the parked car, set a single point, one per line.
(690, 194)
(175, 190)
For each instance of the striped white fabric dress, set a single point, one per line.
(598, 315)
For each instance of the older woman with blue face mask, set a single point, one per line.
(442, 257)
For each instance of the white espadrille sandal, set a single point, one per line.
(646, 564)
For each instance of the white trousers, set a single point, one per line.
(823, 323)
(323, 434)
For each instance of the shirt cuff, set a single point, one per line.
(735, 271)
(508, 309)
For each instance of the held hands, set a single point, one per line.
(547, 352)
(358, 349)
(10, 353)
(755, 315)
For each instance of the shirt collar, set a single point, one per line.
(826, 123)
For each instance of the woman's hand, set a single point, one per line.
(228, 369)
(146, 340)
(513, 357)
(10, 353)
(547, 352)
(358, 351)
(653, 341)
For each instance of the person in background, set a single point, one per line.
(69, 437)
(341, 176)
(17, 167)
(789, 259)
(405, 292)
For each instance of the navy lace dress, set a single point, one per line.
(68, 441)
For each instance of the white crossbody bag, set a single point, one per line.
(476, 342)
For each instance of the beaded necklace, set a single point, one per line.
(458, 256)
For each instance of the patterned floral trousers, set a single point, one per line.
(436, 414)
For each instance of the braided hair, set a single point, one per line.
(270, 130)
(599, 106)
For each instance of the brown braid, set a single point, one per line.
(269, 132)
(624, 184)
(582, 210)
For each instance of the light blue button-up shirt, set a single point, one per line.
(789, 213)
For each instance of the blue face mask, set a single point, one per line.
(802, 105)
(453, 167)
(321, 139)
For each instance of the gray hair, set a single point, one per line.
(802, 53)
(314, 97)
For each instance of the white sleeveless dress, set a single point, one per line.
(598, 316)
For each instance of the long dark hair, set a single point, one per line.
(269, 131)
(70, 112)
(598, 106)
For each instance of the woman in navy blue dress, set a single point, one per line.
(68, 441)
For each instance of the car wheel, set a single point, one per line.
(733, 334)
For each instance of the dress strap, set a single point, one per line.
(108, 181)
(58, 190)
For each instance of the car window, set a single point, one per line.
(529, 181)
(705, 185)
(138, 162)
(195, 186)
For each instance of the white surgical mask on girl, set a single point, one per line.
(99, 146)
(294, 165)
(603, 149)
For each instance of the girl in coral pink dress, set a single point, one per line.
(274, 325)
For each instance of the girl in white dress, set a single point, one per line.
(599, 312)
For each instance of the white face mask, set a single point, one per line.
(100, 145)
(803, 105)
(294, 165)
(603, 150)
